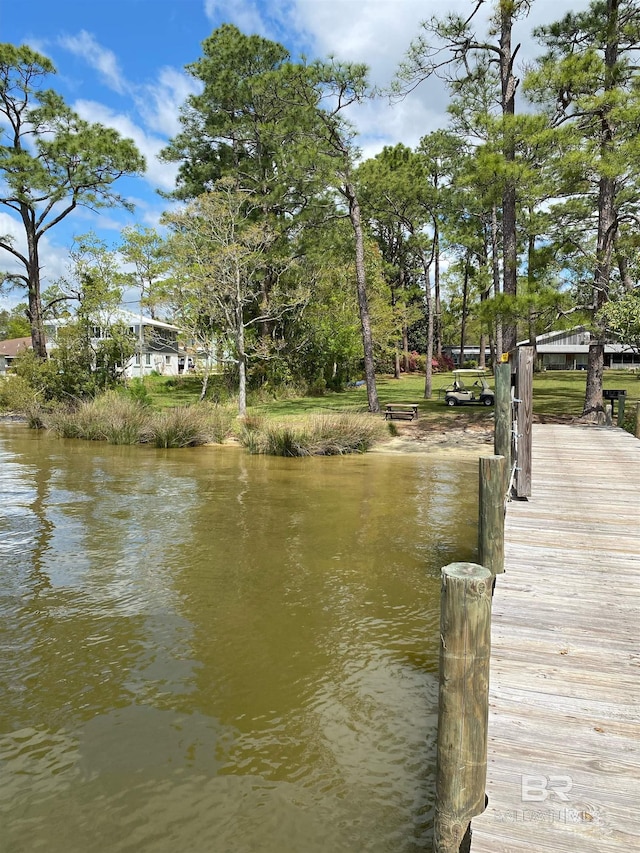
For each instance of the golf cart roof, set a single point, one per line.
(474, 370)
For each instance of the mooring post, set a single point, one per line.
(608, 414)
(524, 392)
(491, 513)
(621, 401)
(503, 419)
(463, 703)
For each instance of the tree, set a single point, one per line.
(14, 323)
(621, 319)
(323, 91)
(51, 162)
(452, 49)
(589, 79)
(218, 251)
(145, 250)
(277, 128)
(94, 287)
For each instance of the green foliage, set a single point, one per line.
(621, 319)
(320, 435)
(317, 388)
(17, 394)
(138, 391)
(52, 163)
(14, 323)
(75, 369)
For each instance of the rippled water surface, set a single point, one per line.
(203, 650)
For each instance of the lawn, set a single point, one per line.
(555, 393)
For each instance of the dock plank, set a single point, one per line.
(564, 710)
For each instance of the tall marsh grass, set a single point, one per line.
(318, 435)
(119, 419)
(110, 417)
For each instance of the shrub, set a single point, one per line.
(319, 435)
(137, 390)
(443, 363)
(317, 388)
(17, 394)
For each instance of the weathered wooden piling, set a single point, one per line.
(503, 419)
(637, 420)
(524, 393)
(608, 414)
(491, 513)
(463, 704)
(621, 401)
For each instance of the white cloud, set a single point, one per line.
(243, 13)
(159, 103)
(102, 59)
(158, 174)
(379, 34)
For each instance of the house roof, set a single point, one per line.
(121, 315)
(576, 341)
(13, 346)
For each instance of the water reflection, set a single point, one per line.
(211, 651)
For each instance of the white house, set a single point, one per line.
(569, 350)
(157, 347)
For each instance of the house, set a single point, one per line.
(11, 349)
(157, 349)
(569, 350)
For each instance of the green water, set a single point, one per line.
(203, 650)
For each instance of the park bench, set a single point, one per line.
(406, 411)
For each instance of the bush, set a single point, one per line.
(319, 435)
(317, 388)
(443, 363)
(137, 390)
(16, 394)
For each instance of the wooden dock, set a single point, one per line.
(564, 704)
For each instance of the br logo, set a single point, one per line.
(537, 789)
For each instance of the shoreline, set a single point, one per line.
(424, 436)
(459, 433)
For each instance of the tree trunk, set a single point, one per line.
(607, 223)
(405, 346)
(463, 319)
(593, 408)
(38, 339)
(242, 364)
(437, 320)
(531, 318)
(495, 268)
(509, 240)
(363, 305)
(428, 302)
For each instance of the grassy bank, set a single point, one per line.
(559, 393)
(164, 412)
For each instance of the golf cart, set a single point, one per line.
(469, 386)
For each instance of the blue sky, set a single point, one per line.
(121, 62)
